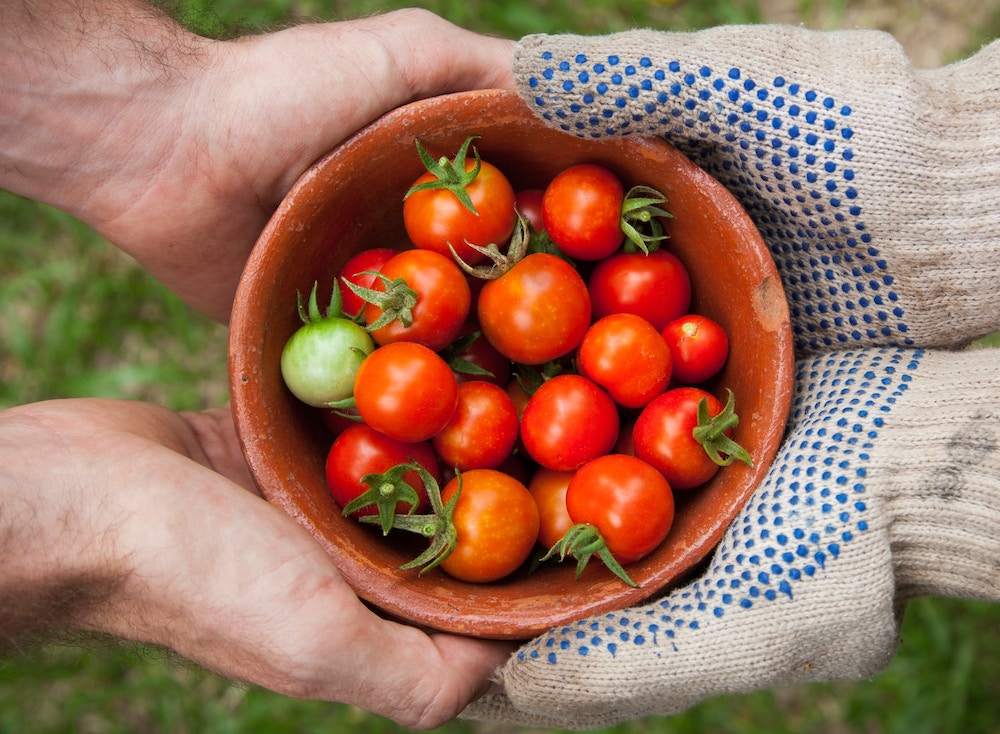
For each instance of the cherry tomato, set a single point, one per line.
(435, 218)
(483, 430)
(655, 286)
(358, 270)
(548, 487)
(663, 437)
(699, 347)
(441, 305)
(568, 420)
(360, 450)
(320, 360)
(496, 520)
(626, 356)
(406, 391)
(529, 203)
(535, 312)
(627, 500)
(582, 209)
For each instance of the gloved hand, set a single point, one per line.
(875, 186)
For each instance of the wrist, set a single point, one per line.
(58, 562)
(942, 473)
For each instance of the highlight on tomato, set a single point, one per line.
(536, 311)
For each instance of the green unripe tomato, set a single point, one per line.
(320, 360)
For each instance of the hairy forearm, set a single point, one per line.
(55, 568)
(80, 83)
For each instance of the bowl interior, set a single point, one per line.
(351, 200)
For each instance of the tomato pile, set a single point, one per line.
(526, 375)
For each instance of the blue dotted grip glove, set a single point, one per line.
(877, 189)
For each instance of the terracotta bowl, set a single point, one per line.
(350, 200)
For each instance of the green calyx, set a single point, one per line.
(310, 313)
(438, 526)
(450, 175)
(385, 491)
(499, 262)
(395, 301)
(452, 354)
(711, 433)
(640, 220)
(582, 542)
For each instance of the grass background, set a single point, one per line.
(79, 318)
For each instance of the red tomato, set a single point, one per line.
(627, 500)
(663, 437)
(529, 203)
(406, 391)
(548, 487)
(537, 311)
(582, 209)
(358, 270)
(436, 309)
(483, 430)
(626, 356)
(435, 218)
(568, 420)
(655, 286)
(496, 520)
(360, 450)
(699, 347)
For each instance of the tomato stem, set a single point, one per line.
(500, 263)
(449, 175)
(384, 491)
(438, 525)
(395, 302)
(711, 433)
(583, 541)
(310, 313)
(640, 219)
(452, 354)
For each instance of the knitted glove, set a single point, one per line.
(875, 185)
(887, 488)
(876, 188)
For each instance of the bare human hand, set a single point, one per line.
(129, 519)
(178, 148)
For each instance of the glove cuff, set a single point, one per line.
(941, 468)
(873, 183)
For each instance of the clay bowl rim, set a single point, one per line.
(261, 319)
